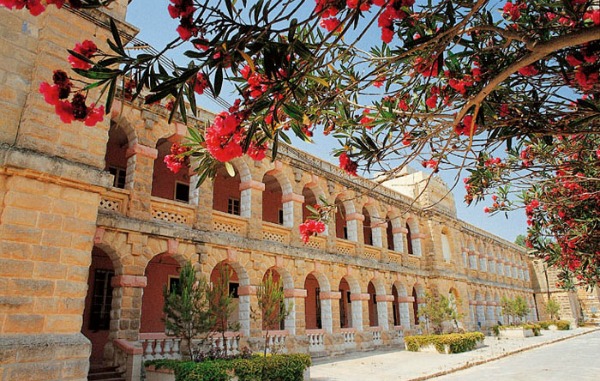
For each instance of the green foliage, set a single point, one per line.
(275, 367)
(563, 325)
(515, 308)
(536, 328)
(545, 324)
(552, 308)
(186, 308)
(272, 309)
(437, 310)
(520, 240)
(456, 342)
(221, 304)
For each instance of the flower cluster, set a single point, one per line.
(184, 11)
(87, 49)
(36, 7)
(224, 137)
(466, 127)
(76, 109)
(310, 228)
(347, 164)
(176, 159)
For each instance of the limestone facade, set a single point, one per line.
(84, 257)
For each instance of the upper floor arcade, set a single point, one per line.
(267, 201)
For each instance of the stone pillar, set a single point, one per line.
(126, 311)
(331, 320)
(290, 295)
(384, 310)
(247, 299)
(404, 303)
(360, 310)
(298, 296)
(251, 206)
(399, 234)
(292, 214)
(140, 159)
(354, 227)
(203, 198)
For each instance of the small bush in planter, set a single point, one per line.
(456, 342)
(545, 324)
(562, 325)
(273, 367)
(536, 328)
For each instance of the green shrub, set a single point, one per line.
(275, 367)
(495, 330)
(545, 324)
(536, 328)
(457, 342)
(563, 325)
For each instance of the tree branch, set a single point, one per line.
(540, 50)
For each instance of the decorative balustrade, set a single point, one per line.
(276, 341)
(397, 334)
(376, 332)
(128, 359)
(158, 346)
(410, 260)
(394, 257)
(372, 252)
(349, 335)
(230, 343)
(316, 340)
(229, 223)
(345, 247)
(115, 200)
(318, 242)
(172, 211)
(275, 233)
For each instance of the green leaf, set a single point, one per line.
(218, 81)
(111, 95)
(115, 33)
(293, 111)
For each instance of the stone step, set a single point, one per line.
(105, 374)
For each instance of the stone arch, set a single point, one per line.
(373, 224)
(239, 286)
(413, 236)
(165, 183)
(394, 231)
(317, 311)
(345, 228)
(418, 291)
(446, 241)
(161, 271)
(118, 161)
(288, 284)
(401, 310)
(99, 303)
(350, 310)
(480, 309)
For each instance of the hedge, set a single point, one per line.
(561, 325)
(274, 367)
(457, 342)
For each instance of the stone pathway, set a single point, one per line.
(414, 366)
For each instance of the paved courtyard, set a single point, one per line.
(405, 365)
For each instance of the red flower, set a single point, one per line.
(87, 49)
(256, 152)
(433, 164)
(511, 11)
(466, 126)
(310, 228)
(201, 83)
(64, 110)
(528, 71)
(366, 120)
(387, 34)
(50, 93)
(332, 24)
(593, 16)
(94, 115)
(347, 164)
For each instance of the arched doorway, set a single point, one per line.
(162, 271)
(312, 304)
(226, 192)
(345, 304)
(98, 304)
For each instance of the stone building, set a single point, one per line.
(93, 226)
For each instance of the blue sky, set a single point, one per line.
(157, 29)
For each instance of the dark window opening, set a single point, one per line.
(233, 290)
(345, 232)
(280, 216)
(174, 285)
(101, 300)
(182, 192)
(119, 176)
(318, 309)
(233, 206)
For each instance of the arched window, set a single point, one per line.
(409, 240)
(272, 205)
(341, 227)
(367, 229)
(116, 155)
(226, 192)
(415, 306)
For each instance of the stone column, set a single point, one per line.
(297, 296)
(404, 304)
(292, 214)
(290, 295)
(360, 310)
(354, 227)
(140, 165)
(251, 206)
(247, 298)
(384, 310)
(332, 299)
